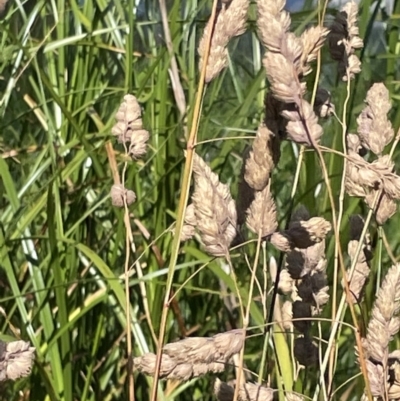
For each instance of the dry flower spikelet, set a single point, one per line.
(193, 357)
(16, 359)
(384, 323)
(261, 215)
(261, 159)
(362, 269)
(365, 180)
(230, 22)
(382, 327)
(305, 233)
(120, 195)
(247, 392)
(344, 40)
(129, 127)
(312, 40)
(215, 210)
(189, 226)
(286, 62)
(374, 128)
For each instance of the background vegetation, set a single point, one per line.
(64, 69)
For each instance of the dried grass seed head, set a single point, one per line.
(230, 22)
(383, 324)
(282, 76)
(344, 40)
(312, 40)
(385, 208)
(129, 127)
(16, 360)
(120, 195)
(302, 126)
(215, 209)
(374, 128)
(261, 215)
(273, 23)
(262, 158)
(255, 392)
(362, 269)
(304, 234)
(189, 228)
(287, 314)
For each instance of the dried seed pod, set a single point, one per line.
(16, 359)
(374, 128)
(261, 159)
(215, 209)
(230, 22)
(362, 269)
(383, 324)
(261, 215)
(120, 195)
(129, 127)
(189, 228)
(312, 40)
(343, 40)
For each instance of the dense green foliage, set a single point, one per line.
(64, 69)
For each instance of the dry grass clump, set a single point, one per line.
(366, 179)
(16, 360)
(383, 326)
(230, 22)
(194, 356)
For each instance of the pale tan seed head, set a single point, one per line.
(129, 127)
(312, 40)
(262, 158)
(215, 210)
(16, 360)
(384, 209)
(282, 76)
(255, 392)
(273, 23)
(306, 233)
(303, 127)
(120, 195)
(362, 268)
(230, 22)
(344, 40)
(281, 241)
(374, 128)
(384, 323)
(189, 228)
(261, 215)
